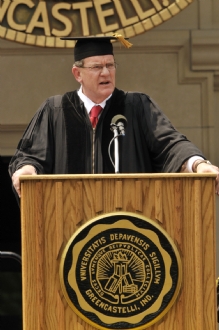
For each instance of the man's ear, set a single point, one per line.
(76, 73)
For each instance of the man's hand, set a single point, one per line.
(206, 168)
(25, 170)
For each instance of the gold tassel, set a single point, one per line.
(123, 41)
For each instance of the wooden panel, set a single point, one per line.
(60, 312)
(99, 196)
(178, 236)
(138, 195)
(119, 194)
(158, 200)
(198, 247)
(209, 253)
(78, 202)
(182, 205)
(59, 217)
(29, 266)
(40, 248)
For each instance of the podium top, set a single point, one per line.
(116, 176)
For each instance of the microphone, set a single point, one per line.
(120, 122)
(117, 125)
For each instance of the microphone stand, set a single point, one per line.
(114, 128)
(12, 255)
(117, 125)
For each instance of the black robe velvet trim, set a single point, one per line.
(79, 133)
(76, 133)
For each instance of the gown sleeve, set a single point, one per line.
(169, 149)
(36, 147)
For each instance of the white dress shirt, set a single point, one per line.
(88, 103)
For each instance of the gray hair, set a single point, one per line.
(79, 64)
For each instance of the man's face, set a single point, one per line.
(96, 85)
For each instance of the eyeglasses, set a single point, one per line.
(99, 67)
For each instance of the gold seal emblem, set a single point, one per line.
(120, 271)
(42, 23)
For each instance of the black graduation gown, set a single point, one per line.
(60, 138)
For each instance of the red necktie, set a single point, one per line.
(94, 113)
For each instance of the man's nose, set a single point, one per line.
(105, 70)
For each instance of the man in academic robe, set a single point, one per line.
(63, 139)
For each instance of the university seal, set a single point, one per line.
(42, 23)
(120, 271)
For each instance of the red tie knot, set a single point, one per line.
(94, 113)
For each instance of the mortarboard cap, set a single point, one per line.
(95, 46)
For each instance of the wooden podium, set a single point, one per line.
(54, 207)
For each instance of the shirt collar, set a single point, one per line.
(88, 103)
